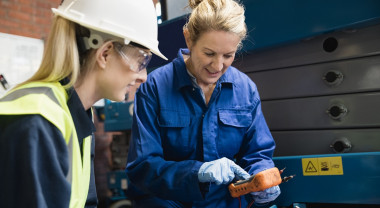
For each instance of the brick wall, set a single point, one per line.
(30, 18)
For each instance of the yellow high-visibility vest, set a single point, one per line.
(50, 101)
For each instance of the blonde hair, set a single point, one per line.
(208, 15)
(61, 58)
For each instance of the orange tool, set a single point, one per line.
(259, 182)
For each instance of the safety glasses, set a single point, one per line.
(137, 58)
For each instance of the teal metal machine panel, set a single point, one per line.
(273, 22)
(118, 116)
(359, 183)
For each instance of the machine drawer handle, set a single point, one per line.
(337, 112)
(333, 78)
(341, 145)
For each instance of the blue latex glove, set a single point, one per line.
(221, 171)
(267, 195)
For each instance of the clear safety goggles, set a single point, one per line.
(137, 58)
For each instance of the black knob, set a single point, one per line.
(330, 44)
(337, 111)
(333, 78)
(341, 145)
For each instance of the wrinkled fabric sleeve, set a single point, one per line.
(34, 164)
(146, 168)
(258, 146)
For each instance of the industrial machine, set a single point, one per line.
(319, 85)
(317, 68)
(118, 115)
(118, 183)
(320, 98)
(118, 118)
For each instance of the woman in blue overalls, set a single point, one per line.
(198, 122)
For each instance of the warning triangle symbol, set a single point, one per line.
(310, 168)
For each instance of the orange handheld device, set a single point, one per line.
(259, 182)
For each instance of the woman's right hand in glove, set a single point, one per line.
(221, 171)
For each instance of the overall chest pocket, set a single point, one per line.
(175, 130)
(233, 124)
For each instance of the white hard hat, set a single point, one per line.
(131, 20)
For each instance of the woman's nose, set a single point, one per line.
(142, 76)
(217, 63)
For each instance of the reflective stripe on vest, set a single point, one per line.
(50, 101)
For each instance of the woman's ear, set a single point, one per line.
(102, 54)
(186, 34)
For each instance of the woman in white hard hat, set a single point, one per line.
(96, 49)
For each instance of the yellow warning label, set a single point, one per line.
(322, 166)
